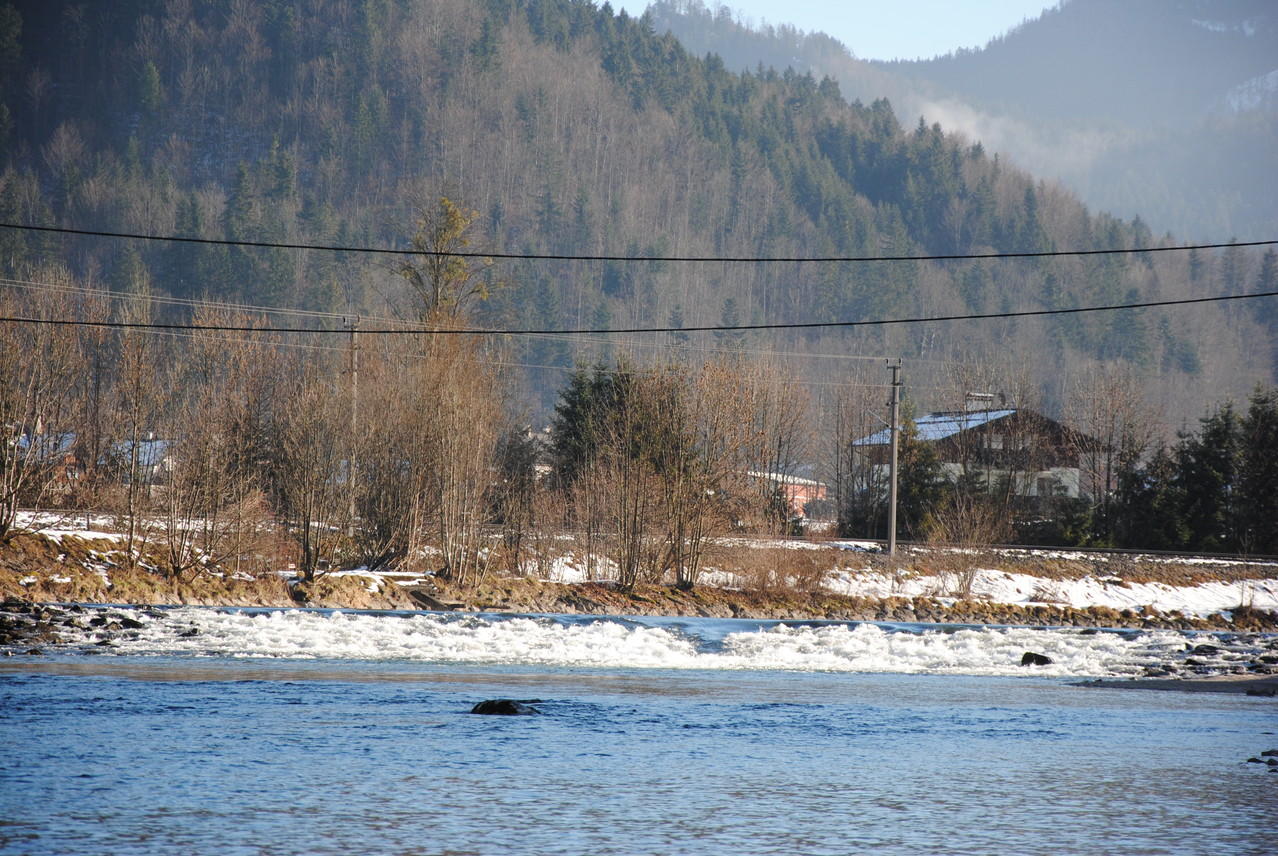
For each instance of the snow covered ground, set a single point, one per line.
(998, 586)
(1025, 590)
(991, 585)
(81, 524)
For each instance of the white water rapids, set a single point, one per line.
(573, 641)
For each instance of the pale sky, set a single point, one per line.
(887, 29)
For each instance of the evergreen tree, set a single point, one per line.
(1207, 467)
(6, 127)
(1266, 308)
(729, 317)
(579, 425)
(486, 49)
(150, 90)
(1149, 507)
(921, 486)
(677, 322)
(1257, 482)
(131, 275)
(1267, 283)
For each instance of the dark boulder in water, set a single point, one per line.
(1029, 658)
(504, 707)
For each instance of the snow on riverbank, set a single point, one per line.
(85, 525)
(1025, 590)
(996, 586)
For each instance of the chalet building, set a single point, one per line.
(798, 491)
(51, 453)
(1032, 454)
(152, 457)
(58, 457)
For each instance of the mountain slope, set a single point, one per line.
(1164, 110)
(571, 131)
(1141, 62)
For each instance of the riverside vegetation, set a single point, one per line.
(458, 129)
(772, 582)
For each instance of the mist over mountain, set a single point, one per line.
(1141, 62)
(1166, 110)
(572, 131)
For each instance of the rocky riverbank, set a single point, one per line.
(67, 569)
(531, 595)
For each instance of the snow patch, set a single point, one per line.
(1259, 93)
(1024, 590)
(372, 581)
(1246, 27)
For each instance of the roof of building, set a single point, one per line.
(46, 445)
(938, 426)
(784, 478)
(151, 452)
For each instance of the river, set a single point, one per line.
(318, 732)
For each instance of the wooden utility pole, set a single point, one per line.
(895, 423)
(352, 324)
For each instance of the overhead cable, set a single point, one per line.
(601, 258)
(483, 331)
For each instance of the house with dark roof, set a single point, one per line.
(53, 454)
(1018, 450)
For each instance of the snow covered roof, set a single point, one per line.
(151, 452)
(784, 478)
(46, 445)
(938, 426)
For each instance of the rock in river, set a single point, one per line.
(504, 707)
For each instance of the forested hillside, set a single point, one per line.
(1165, 109)
(571, 130)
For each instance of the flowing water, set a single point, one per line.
(317, 732)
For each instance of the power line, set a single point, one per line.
(249, 309)
(243, 309)
(481, 331)
(602, 258)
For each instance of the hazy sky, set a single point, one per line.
(887, 29)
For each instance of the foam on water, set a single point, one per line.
(573, 641)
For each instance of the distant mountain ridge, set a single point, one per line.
(571, 130)
(1142, 62)
(1163, 108)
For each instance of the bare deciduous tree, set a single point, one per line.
(424, 464)
(714, 441)
(137, 454)
(212, 503)
(1108, 406)
(38, 362)
(778, 403)
(466, 423)
(854, 412)
(310, 468)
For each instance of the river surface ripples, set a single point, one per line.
(294, 732)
